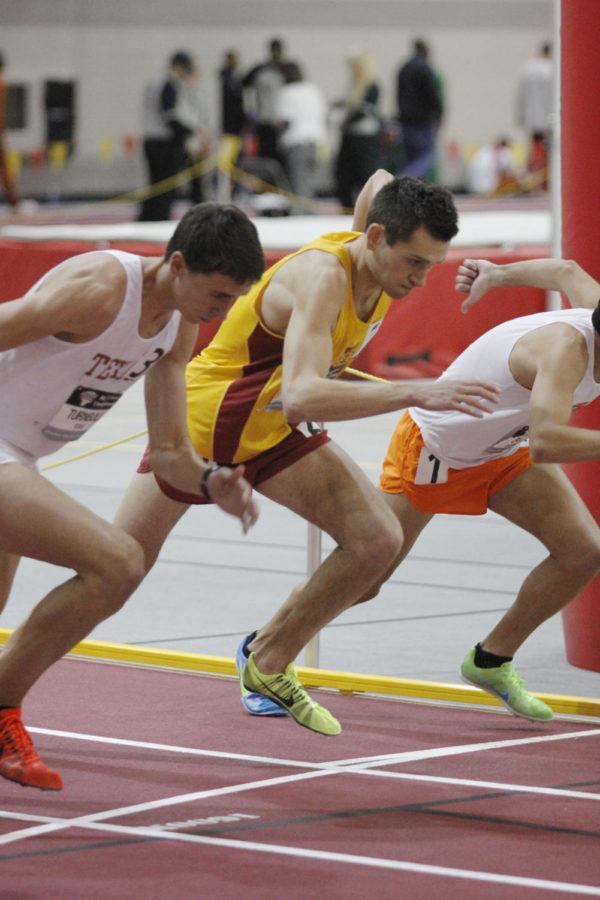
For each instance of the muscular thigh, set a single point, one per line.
(148, 515)
(39, 521)
(327, 488)
(543, 501)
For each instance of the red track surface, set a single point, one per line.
(280, 823)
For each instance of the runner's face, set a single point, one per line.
(203, 298)
(406, 264)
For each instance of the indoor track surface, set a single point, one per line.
(171, 790)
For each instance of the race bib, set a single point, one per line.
(82, 409)
(430, 469)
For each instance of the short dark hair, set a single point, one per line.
(406, 203)
(184, 61)
(218, 237)
(596, 318)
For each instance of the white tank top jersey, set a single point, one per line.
(461, 441)
(53, 391)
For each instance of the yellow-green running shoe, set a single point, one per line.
(285, 689)
(504, 683)
(255, 704)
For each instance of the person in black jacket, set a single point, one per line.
(173, 117)
(420, 110)
(232, 95)
(359, 155)
(263, 81)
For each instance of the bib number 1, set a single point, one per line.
(430, 469)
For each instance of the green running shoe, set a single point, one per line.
(285, 689)
(504, 683)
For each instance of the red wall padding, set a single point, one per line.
(427, 321)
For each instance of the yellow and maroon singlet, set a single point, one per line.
(234, 385)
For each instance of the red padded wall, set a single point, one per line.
(580, 139)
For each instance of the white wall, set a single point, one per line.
(112, 62)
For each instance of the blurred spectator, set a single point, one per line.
(420, 110)
(360, 148)
(493, 169)
(176, 133)
(232, 95)
(535, 108)
(265, 80)
(301, 114)
(5, 176)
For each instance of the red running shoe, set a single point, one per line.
(18, 759)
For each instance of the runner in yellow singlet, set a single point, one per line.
(272, 366)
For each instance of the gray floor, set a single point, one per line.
(212, 585)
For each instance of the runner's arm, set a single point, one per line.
(80, 306)
(551, 439)
(308, 395)
(364, 199)
(476, 277)
(172, 455)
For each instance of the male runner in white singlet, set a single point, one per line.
(445, 462)
(69, 348)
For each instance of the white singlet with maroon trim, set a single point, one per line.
(462, 441)
(52, 391)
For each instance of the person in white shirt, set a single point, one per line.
(87, 331)
(535, 94)
(302, 119)
(544, 365)
(535, 107)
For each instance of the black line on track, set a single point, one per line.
(426, 808)
(389, 810)
(57, 851)
(239, 634)
(302, 574)
(270, 545)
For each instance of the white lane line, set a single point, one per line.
(351, 859)
(26, 817)
(437, 752)
(55, 824)
(81, 821)
(468, 782)
(174, 748)
(363, 761)
(357, 766)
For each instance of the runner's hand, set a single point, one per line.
(232, 493)
(474, 277)
(474, 398)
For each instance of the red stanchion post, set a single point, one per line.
(580, 139)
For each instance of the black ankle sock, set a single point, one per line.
(486, 660)
(8, 707)
(248, 640)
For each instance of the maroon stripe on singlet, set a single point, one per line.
(264, 352)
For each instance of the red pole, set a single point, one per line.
(580, 140)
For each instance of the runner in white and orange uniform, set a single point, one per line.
(543, 365)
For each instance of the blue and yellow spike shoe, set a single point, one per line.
(285, 689)
(255, 704)
(503, 682)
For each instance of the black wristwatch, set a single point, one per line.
(211, 467)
